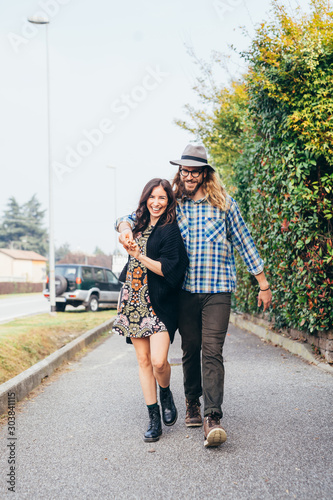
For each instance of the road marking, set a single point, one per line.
(22, 302)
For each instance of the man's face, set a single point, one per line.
(191, 179)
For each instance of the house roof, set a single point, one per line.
(22, 254)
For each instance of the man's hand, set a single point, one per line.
(265, 298)
(126, 235)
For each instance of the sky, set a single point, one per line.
(119, 75)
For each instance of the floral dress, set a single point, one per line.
(136, 317)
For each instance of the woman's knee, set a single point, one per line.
(144, 361)
(160, 365)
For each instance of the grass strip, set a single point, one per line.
(26, 341)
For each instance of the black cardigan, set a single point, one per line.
(165, 244)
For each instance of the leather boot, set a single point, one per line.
(169, 410)
(155, 426)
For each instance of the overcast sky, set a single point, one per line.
(119, 76)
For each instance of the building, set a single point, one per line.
(22, 265)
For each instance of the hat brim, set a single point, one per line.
(190, 163)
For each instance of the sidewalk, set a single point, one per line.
(301, 349)
(82, 437)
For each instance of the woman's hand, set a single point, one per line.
(132, 248)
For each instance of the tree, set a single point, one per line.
(62, 251)
(22, 226)
(12, 228)
(98, 251)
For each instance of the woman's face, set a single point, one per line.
(157, 203)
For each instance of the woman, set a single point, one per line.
(148, 305)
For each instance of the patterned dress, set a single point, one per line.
(136, 317)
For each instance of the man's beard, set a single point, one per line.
(192, 191)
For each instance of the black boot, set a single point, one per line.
(169, 410)
(155, 426)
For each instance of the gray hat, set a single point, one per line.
(194, 156)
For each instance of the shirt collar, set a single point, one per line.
(188, 198)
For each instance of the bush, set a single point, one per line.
(289, 205)
(271, 137)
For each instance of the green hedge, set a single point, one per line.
(270, 135)
(285, 174)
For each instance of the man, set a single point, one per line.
(211, 226)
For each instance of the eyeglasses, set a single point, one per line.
(194, 173)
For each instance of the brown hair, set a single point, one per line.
(142, 213)
(213, 189)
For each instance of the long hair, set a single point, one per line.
(142, 213)
(212, 187)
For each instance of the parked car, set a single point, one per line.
(78, 284)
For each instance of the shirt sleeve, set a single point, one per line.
(242, 240)
(127, 218)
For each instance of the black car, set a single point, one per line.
(78, 284)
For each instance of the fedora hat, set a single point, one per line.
(194, 155)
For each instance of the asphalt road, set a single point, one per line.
(16, 307)
(82, 437)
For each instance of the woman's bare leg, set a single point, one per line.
(146, 375)
(159, 348)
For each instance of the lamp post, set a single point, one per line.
(115, 202)
(44, 20)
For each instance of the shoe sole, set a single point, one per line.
(194, 425)
(152, 440)
(215, 438)
(172, 423)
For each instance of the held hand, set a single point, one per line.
(133, 249)
(126, 238)
(265, 298)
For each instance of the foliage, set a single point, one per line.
(98, 251)
(290, 88)
(61, 252)
(22, 226)
(282, 170)
(223, 129)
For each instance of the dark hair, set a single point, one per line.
(142, 213)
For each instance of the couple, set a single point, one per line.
(181, 273)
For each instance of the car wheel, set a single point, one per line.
(60, 285)
(93, 303)
(60, 307)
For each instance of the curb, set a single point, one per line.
(262, 331)
(23, 383)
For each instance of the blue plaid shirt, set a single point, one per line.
(210, 235)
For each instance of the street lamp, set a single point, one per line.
(44, 20)
(115, 202)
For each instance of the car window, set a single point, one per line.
(111, 277)
(87, 274)
(67, 272)
(99, 275)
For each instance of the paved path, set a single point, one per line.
(17, 307)
(82, 437)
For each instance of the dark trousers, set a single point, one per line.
(203, 324)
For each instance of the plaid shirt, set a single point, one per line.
(210, 235)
